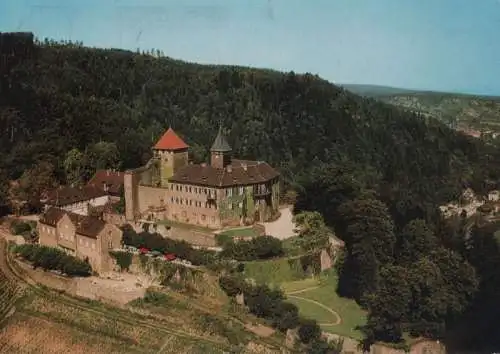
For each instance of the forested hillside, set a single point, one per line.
(364, 164)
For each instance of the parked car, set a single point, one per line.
(130, 248)
(156, 254)
(169, 257)
(143, 250)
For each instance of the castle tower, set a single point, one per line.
(172, 152)
(220, 152)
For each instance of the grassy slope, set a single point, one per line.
(323, 290)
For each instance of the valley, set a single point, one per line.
(373, 259)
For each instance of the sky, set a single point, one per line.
(443, 45)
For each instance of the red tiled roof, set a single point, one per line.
(170, 141)
(241, 172)
(113, 179)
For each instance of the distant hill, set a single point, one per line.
(375, 91)
(465, 111)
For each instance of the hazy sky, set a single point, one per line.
(449, 45)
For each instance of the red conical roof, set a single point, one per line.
(170, 141)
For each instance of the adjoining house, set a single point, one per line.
(76, 199)
(225, 192)
(104, 188)
(86, 237)
(109, 181)
(494, 196)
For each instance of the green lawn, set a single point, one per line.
(325, 293)
(290, 246)
(243, 232)
(275, 272)
(314, 311)
(185, 226)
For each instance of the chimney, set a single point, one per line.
(203, 164)
(107, 172)
(229, 169)
(244, 165)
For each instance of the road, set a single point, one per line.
(282, 228)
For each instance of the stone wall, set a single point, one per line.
(150, 196)
(190, 205)
(112, 291)
(48, 279)
(115, 219)
(259, 229)
(195, 237)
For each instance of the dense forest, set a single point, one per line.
(377, 173)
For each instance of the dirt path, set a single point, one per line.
(165, 344)
(302, 290)
(326, 308)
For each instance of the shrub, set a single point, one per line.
(267, 247)
(232, 286)
(123, 259)
(18, 227)
(270, 304)
(288, 316)
(309, 331)
(50, 258)
(263, 247)
(323, 346)
(263, 301)
(223, 239)
(156, 297)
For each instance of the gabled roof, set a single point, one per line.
(89, 226)
(240, 173)
(70, 195)
(220, 143)
(113, 179)
(51, 216)
(170, 141)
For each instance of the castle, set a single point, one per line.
(225, 192)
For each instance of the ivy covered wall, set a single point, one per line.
(249, 203)
(231, 207)
(245, 205)
(275, 195)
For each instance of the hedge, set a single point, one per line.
(18, 227)
(123, 259)
(157, 242)
(263, 247)
(50, 258)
